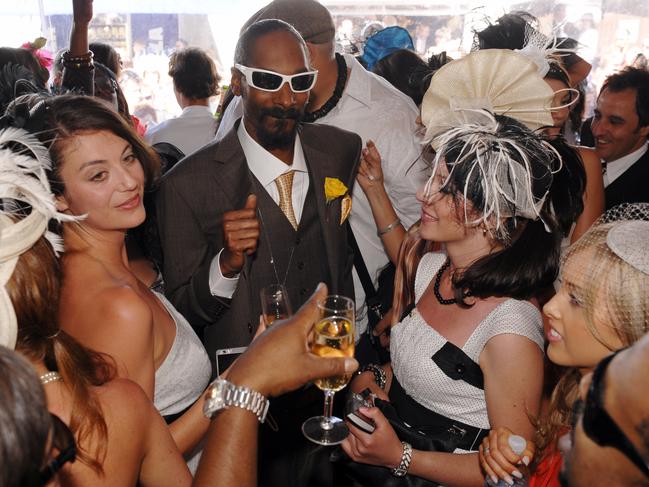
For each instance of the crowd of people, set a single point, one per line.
(500, 271)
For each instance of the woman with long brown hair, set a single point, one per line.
(100, 171)
(121, 439)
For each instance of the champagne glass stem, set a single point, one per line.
(328, 408)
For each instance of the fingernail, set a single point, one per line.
(494, 479)
(526, 461)
(517, 474)
(350, 365)
(509, 480)
(320, 284)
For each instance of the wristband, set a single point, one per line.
(402, 469)
(380, 377)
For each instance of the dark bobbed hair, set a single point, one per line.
(529, 259)
(24, 422)
(34, 290)
(194, 73)
(636, 79)
(107, 55)
(61, 118)
(404, 69)
(248, 37)
(25, 57)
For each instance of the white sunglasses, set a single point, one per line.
(265, 80)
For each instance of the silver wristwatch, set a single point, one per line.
(222, 394)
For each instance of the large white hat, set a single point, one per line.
(499, 81)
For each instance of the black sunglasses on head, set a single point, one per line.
(598, 424)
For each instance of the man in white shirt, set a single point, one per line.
(195, 81)
(349, 97)
(620, 128)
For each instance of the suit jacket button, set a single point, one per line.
(300, 265)
(249, 328)
(298, 241)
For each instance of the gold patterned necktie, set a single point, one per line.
(284, 186)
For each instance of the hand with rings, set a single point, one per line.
(497, 458)
(370, 173)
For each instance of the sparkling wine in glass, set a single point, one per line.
(275, 304)
(333, 337)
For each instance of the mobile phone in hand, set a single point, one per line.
(358, 419)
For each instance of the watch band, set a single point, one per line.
(402, 469)
(222, 394)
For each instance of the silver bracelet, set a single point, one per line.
(402, 469)
(382, 231)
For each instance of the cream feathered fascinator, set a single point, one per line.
(26, 207)
(499, 165)
(499, 81)
(482, 110)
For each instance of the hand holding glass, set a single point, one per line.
(275, 304)
(333, 337)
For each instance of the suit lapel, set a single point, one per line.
(329, 214)
(232, 176)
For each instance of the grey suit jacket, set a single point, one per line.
(190, 204)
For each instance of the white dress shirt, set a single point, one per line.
(194, 128)
(375, 110)
(266, 168)
(616, 168)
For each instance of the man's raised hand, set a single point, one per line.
(240, 236)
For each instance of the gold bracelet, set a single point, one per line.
(389, 228)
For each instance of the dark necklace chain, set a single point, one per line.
(338, 92)
(438, 281)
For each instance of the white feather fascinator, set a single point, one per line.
(498, 165)
(26, 207)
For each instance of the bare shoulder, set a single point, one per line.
(124, 401)
(108, 318)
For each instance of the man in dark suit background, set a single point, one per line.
(620, 128)
(251, 210)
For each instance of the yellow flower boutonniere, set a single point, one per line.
(335, 188)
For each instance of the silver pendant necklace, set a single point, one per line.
(270, 249)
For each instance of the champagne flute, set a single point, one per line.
(333, 337)
(275, 304)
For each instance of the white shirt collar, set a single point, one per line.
(264, 165)
(358, 83)
(196, 111)
(616, 168)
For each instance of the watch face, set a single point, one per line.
(217, 394)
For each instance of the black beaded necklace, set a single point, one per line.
(438, 281)
(338, 92)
